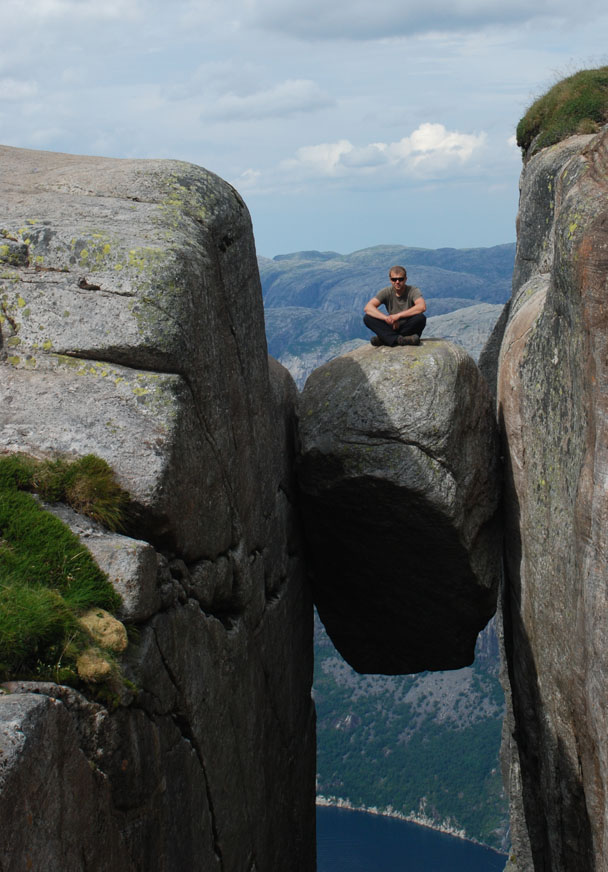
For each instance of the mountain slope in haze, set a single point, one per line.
(314, 300)
(330, 281)
(469, 326)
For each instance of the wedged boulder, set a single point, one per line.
(400, 476)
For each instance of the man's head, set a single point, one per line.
(397, 275)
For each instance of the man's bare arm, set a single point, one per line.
(418, 308)
(371, 308)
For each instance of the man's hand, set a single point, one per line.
(417, 309)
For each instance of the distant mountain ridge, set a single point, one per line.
(314, 300)
(331, 281)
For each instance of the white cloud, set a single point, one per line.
(248, 180)
(287, 98)
(326, 159)
(16, 89)
(429, 152)
(217, 78)
(362, 20)
(71, 9)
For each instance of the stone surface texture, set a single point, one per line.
(43, 766)
(130, 564)
(131, 326)
(400, 477)
(553, 406)
(139, 279)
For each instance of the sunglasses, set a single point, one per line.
(397, 279)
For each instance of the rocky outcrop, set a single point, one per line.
(400, 478)
(132, 309)
(552, 399)
(132, 327)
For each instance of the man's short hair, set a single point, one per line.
(401, 270)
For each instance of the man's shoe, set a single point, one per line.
(414, 339)
(376, 341)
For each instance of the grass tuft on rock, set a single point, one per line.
(47, 578)
(577, 104)
(87, 485)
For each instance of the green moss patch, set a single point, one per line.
(577, 104)
(47, 578)
(87, 485)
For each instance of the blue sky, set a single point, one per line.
(342, 124)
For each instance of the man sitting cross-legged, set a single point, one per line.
(405, 306)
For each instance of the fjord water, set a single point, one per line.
(353, 841)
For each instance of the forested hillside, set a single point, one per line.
(422, 744)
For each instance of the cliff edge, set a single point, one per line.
(552, 387)
(131, 326)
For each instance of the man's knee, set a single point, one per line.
(415, 324)
(421, 324)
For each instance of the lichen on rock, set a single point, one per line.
(552, 386)
(105, 629)
(134, 330)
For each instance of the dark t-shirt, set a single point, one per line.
(395, 304)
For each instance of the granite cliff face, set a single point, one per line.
(131, 326)
(552, 387)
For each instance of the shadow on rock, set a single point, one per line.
(400, 481)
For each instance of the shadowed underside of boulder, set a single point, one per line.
(400, 478)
